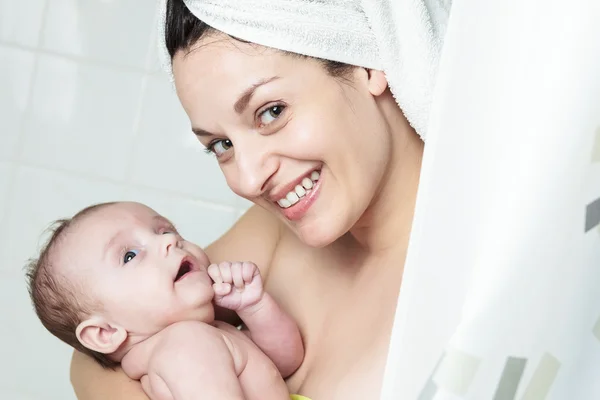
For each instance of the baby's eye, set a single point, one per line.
(130, 255)
(219, 147)
(270, 114)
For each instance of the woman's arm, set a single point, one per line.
(254, 238)
(92, 382)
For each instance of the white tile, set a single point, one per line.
(111, 31)
(82, 117)
(167, 154)
(153, 62)
(39, 198)
(20, 21)
(197, 223)
(35, 364)
(5, 174)
(6, 170)
(17, 394)
(15, 81)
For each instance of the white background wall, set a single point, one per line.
(86, 116)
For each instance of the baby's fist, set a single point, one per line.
(237, 285)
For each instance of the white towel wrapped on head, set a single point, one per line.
(401, 37)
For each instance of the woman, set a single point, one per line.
(332, 248)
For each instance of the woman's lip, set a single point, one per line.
(281, 193)
(299, 210)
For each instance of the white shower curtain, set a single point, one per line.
(501, 293)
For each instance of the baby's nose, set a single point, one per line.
(170, 241)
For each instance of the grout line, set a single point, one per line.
(43, 20)
(75, 58)
(151, 51)
(12, 169)
(19, 148)
(142, 99)
(137, 121)
(14, 165)
(130, 185)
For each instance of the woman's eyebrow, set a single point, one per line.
(201, 132)
(240, 105)
(242, 102)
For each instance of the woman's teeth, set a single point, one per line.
(299, 191)
(307, 183)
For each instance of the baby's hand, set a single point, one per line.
(237, 285)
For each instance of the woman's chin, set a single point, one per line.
(318, 235)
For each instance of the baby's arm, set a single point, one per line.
(238, 286)
(193, 360)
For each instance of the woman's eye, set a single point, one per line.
(130, 255)
(219, 147)
(270, 115)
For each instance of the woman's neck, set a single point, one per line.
(385, 226)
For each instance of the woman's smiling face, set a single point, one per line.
(290, 137)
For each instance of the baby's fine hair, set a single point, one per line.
(60, 304)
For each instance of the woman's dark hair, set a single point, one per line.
(183, 30)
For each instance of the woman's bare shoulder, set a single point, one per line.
(92, 382)
(254, 237)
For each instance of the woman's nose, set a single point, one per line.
(255, 166)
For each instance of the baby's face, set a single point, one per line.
(133, 263)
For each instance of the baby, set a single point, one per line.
(119, 283)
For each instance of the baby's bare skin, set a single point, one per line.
(157, 316)
(217, 360)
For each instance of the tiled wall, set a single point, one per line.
(86, 116)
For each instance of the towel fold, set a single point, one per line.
(401, 37)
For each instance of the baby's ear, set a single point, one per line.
(98, 335)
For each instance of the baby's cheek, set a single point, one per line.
(202, 257)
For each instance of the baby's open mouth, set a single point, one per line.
(184, 269)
